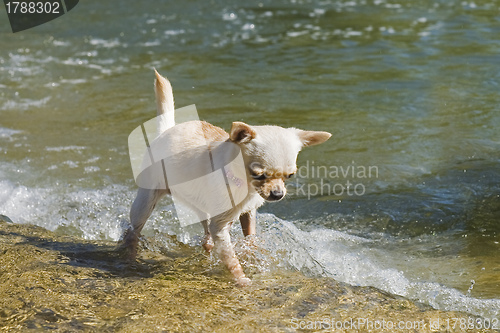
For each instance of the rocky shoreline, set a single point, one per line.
(65, 284)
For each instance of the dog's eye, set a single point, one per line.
(290, 176)
(259, 177)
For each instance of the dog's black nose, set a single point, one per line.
(276, 195)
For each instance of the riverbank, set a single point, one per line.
(62, 283)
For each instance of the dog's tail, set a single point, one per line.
(164, 103)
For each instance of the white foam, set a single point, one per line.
(352, 33)
(24, 103)
(105, 43)
(71, 164)
(102, 69)
(248, 26)
(90, 169)
(348, 259)
(155, 42)
(73, 81)
(297, 33)
(174, 32)
(65, 148)
(75, 61)
(393, 5)
(229, 16)
(60, 43)
(317, 12)
(8, 134)
(93, 214)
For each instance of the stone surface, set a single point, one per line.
(61, 283)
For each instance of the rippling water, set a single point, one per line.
(409, 88)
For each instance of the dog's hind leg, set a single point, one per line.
(140, 211)
(248, 222)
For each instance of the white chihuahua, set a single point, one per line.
(269, 157)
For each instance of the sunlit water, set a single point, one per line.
(409, 89)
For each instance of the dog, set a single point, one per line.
(269, 155)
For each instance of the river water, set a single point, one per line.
(404, 197)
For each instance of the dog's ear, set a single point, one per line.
(241, 132)
(312, 138)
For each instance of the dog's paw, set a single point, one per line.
(128, 246)
(208, 244)
(243, 282)
(208, 247)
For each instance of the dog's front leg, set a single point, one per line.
(248, 222)
(224, 248)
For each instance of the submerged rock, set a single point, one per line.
(65, 284)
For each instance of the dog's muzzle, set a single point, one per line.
(276, 195)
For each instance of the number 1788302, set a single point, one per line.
(32, 7)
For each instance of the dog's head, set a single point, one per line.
(270, 154)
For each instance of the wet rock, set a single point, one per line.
(4, 218)
(68, 284)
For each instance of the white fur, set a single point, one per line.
(164, 103)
